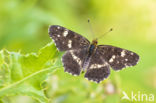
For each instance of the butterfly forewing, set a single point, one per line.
(117, 58)
(66, 39)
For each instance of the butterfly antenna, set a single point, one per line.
(111, 29)
(90, 27)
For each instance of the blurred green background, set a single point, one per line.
(24, 26)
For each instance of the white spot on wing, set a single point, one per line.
(65, 33)
(126, 59)
(58, 35)
(76, 58)
(98, 65)
(123, 53)
(69, 44)
(58, 27)
(113, 56)
(112, 59)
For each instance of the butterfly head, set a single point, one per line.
(94, 42)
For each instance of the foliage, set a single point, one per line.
(24, 74)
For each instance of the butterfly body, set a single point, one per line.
(95, 60)
(90, 52)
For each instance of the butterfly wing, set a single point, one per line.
(73, 60)
(117, 58)
(98, 68)
(66, 39)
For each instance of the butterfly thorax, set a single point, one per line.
(92, 47)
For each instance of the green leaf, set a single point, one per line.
(24, 74)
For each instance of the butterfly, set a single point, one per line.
(82, 56)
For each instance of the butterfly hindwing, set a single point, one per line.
(66, 39)
(118, 58)
(98, 68)
(73, 60)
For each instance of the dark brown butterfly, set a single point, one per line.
(95, 60)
